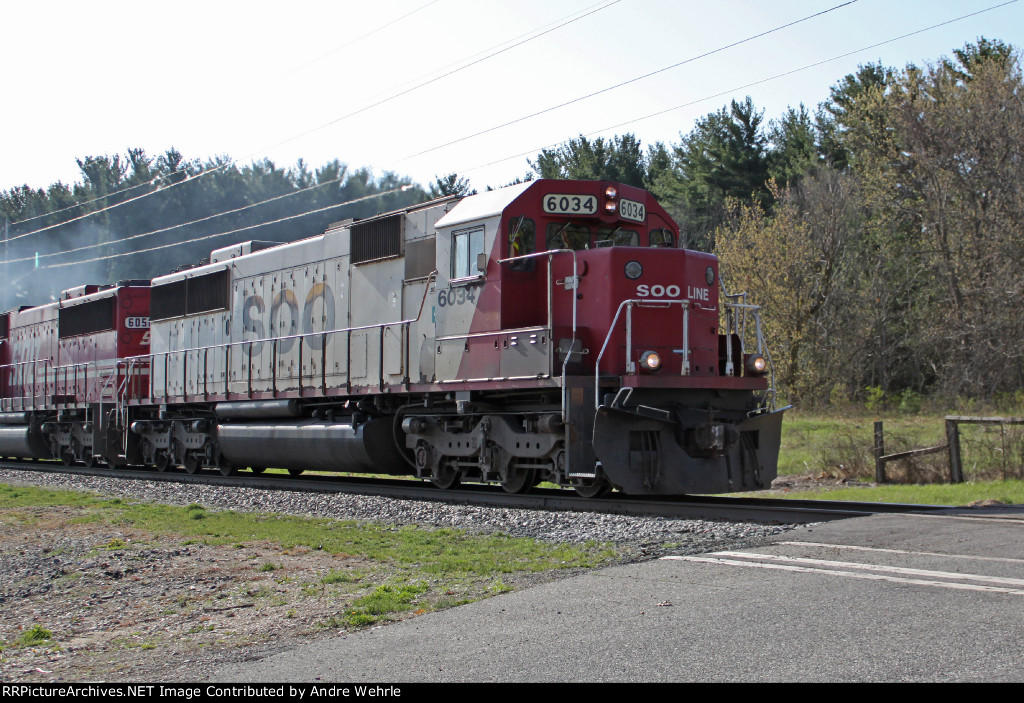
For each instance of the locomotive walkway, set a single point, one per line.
(913, 597)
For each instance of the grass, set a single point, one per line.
(399, 567)
(439, 552)
(841, 445)
(1011, 492)
(844, 443)
(381, 602)
(34, 636)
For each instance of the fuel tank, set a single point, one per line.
(21, 442)
(314, 445)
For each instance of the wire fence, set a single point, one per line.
(986, 448)
(976, 449)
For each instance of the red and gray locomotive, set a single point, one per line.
(547, 331)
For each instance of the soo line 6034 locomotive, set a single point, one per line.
(547, 331)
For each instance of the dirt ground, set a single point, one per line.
(127, 607)
(124, 606)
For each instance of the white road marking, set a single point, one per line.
(1009, 560)
(877, 567)
(851, 574)
(971, 518)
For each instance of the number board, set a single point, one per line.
(136, 323)
(565, 204)
(632, 210)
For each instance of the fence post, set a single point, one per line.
(956, 473)
(879, 453)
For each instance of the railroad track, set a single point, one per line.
(685, 507)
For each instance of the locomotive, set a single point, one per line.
(547, 331)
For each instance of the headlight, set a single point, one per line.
(634, 270)
(610, 192)
(756, 365)
(650, 361)
(610, 207)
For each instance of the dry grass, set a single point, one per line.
(988, 452)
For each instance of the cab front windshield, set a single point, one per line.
(568, 235)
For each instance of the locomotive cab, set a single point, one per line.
(624, 339)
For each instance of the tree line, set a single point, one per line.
(195, 192)
(881, 232)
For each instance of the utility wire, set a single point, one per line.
(358, 39)
(154, 180)
(234, 231)
(87, 202)
(180, 225)
(527, 153)
(627, 82)
(742, 87)
(585, 13)
(439, 77)
(604, 90)
(434, 72)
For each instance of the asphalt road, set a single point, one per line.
(882, 598)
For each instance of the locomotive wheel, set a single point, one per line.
(257, 469)
(115, 462)
(227, 469)
(519, 480)
(162, 462)
(296, 472)
(192, 463)
(447, 477)
(91, 461)
(592, 487)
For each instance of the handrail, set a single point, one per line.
(573, 285)
(303, 337)
(66, 376)
(740, 331)
(630, 364)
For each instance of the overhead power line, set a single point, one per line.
(549, 109)
(546, 29)
(355, 41)
(233, 231)
(399, 94)
(164, 177)
(733, 90)
(180, 225)
(631, 80)
(89, 202)
(519, 155)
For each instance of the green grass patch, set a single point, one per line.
(35, 636)
(401, 568)
(347, 576)
(379, 604)
(844, 444)
(1011, 492)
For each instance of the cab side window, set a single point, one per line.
(466, 245)
(522, 240)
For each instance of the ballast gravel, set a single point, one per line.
(642, 533)
(124, 605)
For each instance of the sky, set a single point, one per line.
(391, 85)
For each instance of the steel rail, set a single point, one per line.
(770, 510)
